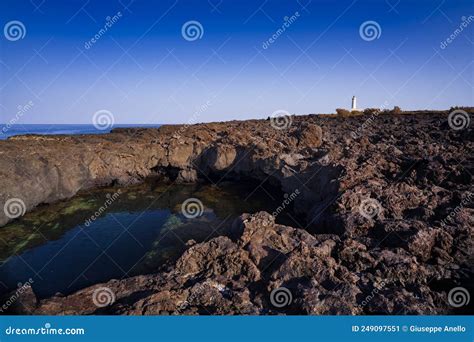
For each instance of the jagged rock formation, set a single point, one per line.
(324, 274)
(377, 194)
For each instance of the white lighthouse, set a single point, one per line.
(354, 103)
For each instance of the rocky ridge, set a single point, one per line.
(377, 194)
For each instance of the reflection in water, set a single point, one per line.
(137, 231)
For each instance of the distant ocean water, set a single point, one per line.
(7, 131)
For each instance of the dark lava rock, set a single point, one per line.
(388, 219)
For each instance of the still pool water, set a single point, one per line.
(138, 230)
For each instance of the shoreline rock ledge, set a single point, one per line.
(377, 196)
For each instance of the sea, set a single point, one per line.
(7, 131)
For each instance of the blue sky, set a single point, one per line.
(142, 70)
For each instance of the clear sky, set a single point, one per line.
(143, 70)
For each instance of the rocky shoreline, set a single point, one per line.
(377, 192)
